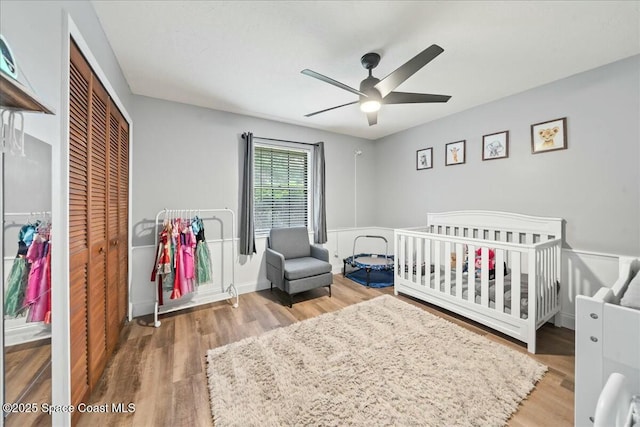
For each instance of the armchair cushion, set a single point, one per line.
(290, 242)
(298, 268)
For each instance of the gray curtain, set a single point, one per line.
(319, 209)
(247, 231)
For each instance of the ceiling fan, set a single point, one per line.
(374, 92)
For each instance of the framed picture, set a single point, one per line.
(455, 153)
(424, 158)
(495, 146)
(549, 136)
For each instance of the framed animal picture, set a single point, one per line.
(455, 153)
(424, 158)
(549, 136)
(495, 146)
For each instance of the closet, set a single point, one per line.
(98, 224)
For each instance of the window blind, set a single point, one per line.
(281, 191)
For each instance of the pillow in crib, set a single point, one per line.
(631, 297)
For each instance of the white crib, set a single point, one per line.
(607, 341)
(529, 246)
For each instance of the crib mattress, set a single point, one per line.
(524, 295)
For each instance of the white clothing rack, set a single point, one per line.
(29, 214)
(190, 213)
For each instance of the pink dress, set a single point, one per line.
(35, 256)
(188, 259)
(40, 307)
(177, 259)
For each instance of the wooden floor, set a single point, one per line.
(162, 371)
(28, 380)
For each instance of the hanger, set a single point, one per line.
(12, 139)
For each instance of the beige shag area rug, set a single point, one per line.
(379, 362)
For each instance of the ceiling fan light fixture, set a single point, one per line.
(370, 106)
(375, 92)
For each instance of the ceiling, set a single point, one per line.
(246, 56)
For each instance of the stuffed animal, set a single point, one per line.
(492, 259)
(492, 263)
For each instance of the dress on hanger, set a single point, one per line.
(35, 255)
(16, 286)
(203, 256)
(39, 306)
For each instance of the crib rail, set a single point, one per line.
(434, 264)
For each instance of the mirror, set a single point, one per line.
(27, 283)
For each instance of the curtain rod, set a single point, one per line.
(281, 140)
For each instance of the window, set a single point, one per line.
(281, 187)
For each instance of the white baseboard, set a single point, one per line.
(26, 332)
(567, 320)
(143, 308)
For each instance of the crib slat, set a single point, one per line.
(515, 284)
(410, 257)
(540, 285)
(396, 261)
(550, 280)
(532, 281)
(554, 294)
(504, 237)
(471, 273)
(548, 283)
(545, 285)
(437, 262)
(427, 263)
(459, 255)
(418, 264)
(484, 277)
(401, 271)
(447, 268)
(499, 283)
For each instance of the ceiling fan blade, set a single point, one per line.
(329, 109)
(372, 118)
(331, 81)
(413, 98)
(393, 80)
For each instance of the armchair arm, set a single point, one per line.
(275, 267)
(320, 253)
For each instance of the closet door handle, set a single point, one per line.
(114, 243)
(101, 250)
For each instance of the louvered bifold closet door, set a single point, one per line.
(98, 224)
(113, 230)
(123, 222)
(80, 77)
(97, 231)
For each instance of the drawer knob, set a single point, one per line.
(594, 339)
(594, 316)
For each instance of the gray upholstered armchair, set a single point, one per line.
(293, 264)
